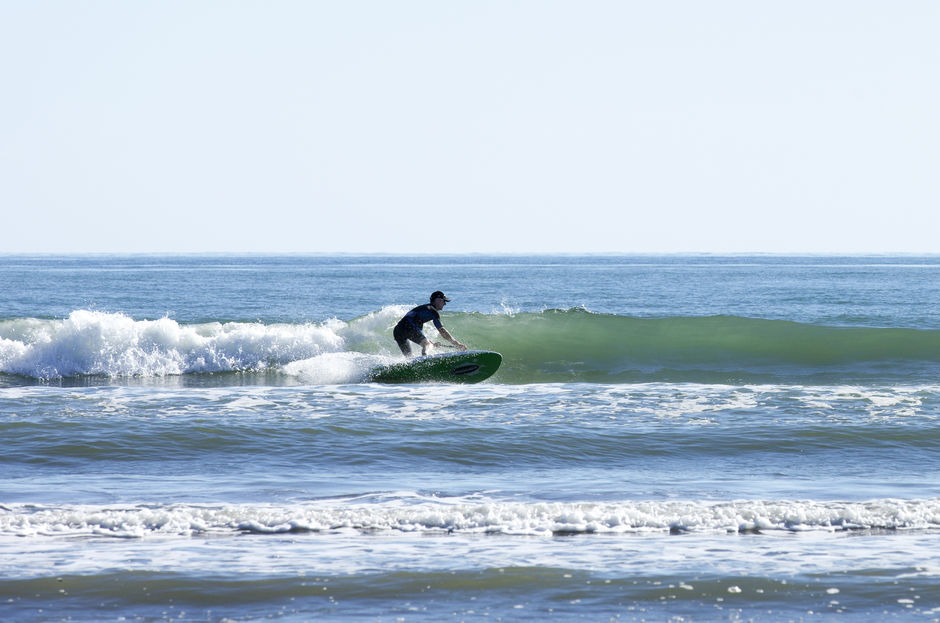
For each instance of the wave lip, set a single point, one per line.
(472, 517)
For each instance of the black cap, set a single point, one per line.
(439, 294)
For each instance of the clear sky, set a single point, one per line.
(473, 126)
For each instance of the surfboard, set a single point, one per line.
(470, 366)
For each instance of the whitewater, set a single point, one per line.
(697, 438)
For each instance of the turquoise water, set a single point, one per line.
(670, 438)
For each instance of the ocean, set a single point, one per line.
(670, 438)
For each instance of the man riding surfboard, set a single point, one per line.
(409, 328)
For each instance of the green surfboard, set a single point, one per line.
(471, 366)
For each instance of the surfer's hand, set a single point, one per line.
(460, 346)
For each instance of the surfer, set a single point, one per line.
(409, 327)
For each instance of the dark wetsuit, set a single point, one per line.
(409, 327)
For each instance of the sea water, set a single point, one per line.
(670, 438)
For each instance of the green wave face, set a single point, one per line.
(577, 345)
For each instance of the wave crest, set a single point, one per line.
(114, 345)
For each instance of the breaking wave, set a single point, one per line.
(463, 516)
(551, 346)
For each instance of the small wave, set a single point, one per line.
(472, 517)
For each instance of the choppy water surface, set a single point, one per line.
(670, 438)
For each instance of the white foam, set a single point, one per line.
(334, 368)
(114, 345)
(373, 332)
(471, 516)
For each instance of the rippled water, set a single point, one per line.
(669, 437)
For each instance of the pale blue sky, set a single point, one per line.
(476, 126)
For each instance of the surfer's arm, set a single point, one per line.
(447, 336)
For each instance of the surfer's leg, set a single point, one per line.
(404, 333)
(401, 338)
